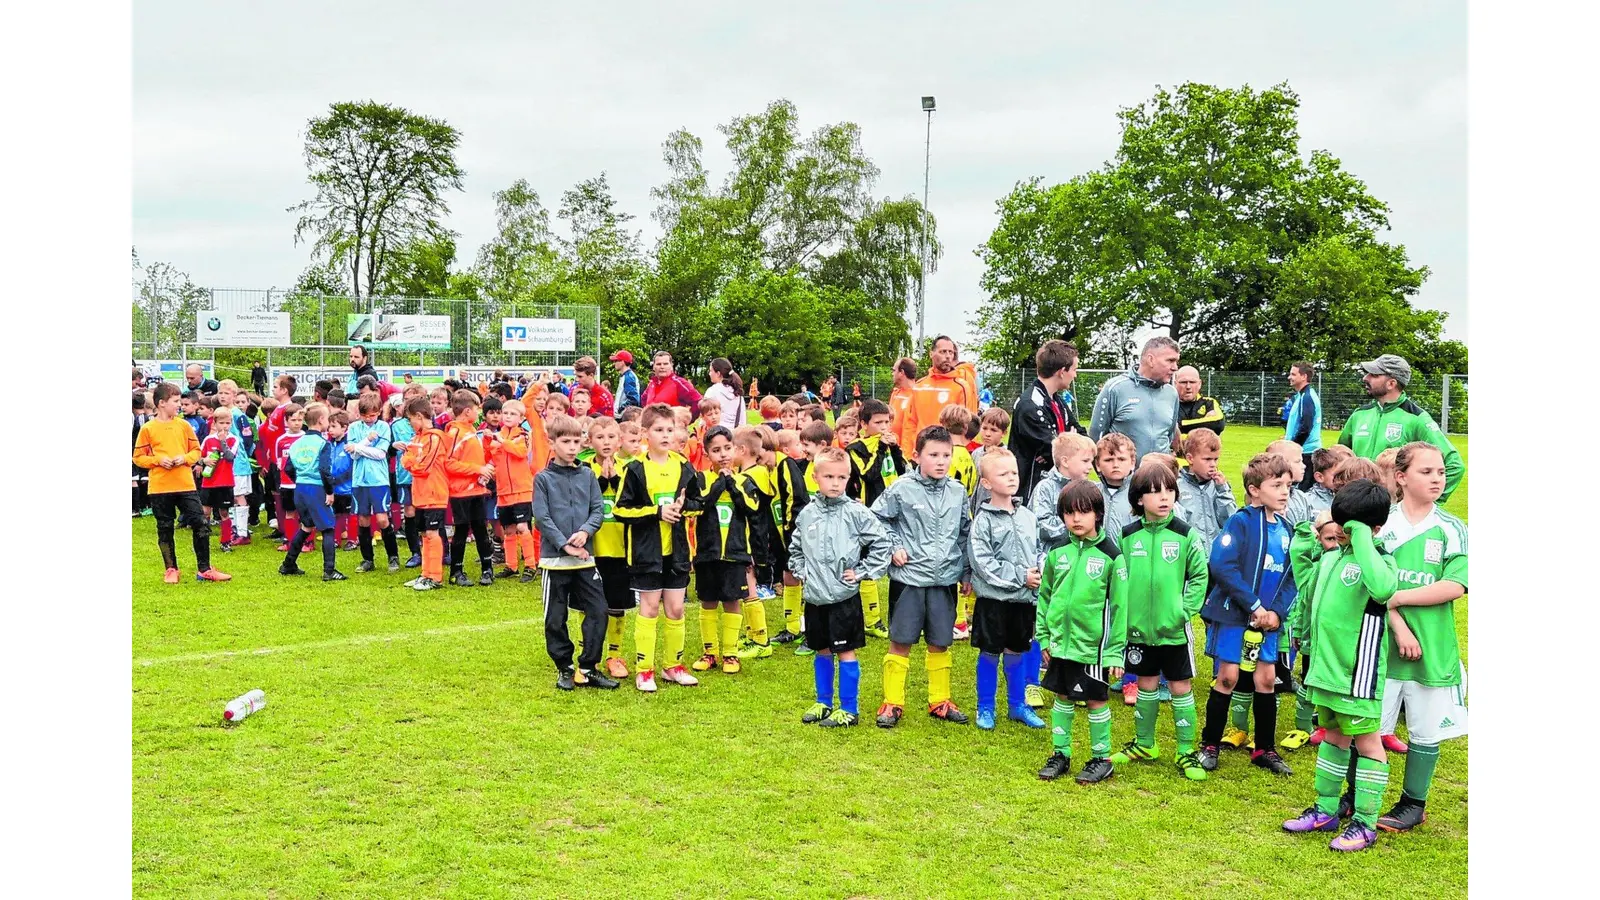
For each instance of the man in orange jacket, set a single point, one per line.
(947, 382)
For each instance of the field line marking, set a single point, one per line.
(351, 641)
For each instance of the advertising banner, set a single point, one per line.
(219, 328)
(169, 369)
(475, 375)
(539, 334)
(383, 332)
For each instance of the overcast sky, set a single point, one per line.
(557, 94)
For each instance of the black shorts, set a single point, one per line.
(895, 590)
(182, 506)
(716, 581)
(1075, 680)
(286, 497)
(344, 504)
(836, 626)
(649, 582)
(217, 497)
(1000, 626)
(780, 554)
(430, 519)
(516, 514)
(1174, 662)
(615, 582)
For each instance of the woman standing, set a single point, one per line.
(726, 388)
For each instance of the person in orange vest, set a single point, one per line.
(947, 382)
(905, 378)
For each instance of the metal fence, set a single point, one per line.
(1254, 398)
(317, 330)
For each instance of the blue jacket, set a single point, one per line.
(1237, 560)
(342, 466)
(1303, 420)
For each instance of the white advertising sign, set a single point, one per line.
(538, 334)
(220, 328)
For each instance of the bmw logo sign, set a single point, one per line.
(214, 323)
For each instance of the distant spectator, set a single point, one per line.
(1195, 411)
(1303, 416)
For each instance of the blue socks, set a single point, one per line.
(822, 669)
(1034, 661)
(1017, 678)
(988, 680)
(849, 685)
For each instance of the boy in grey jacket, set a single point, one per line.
(1205, 498)
(568, 510)
(1005, 558)
(831, 534)
(927, 517)
(1074, 460)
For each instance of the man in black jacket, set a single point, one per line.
(361, 363)
(1039, 415)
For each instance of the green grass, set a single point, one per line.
(415, 746)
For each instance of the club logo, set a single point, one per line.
(609, 506)
(1392, 432)
(1137, 549)
(1169, 551)
(1135, 656)
(944, 396)
(1094, 566)
(1433, 551)
(1227, 540)
(724, 514)
(1350, 575)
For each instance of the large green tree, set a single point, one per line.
(165, 300)
(381, 175)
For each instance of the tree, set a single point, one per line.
(524, 255)
(165, 301)
(381, 174)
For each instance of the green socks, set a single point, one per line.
(1100, 732)
(1183, 719)
(1144, 718)
(1372, 779)
(1419, 770)
(1304, 712)
(1061, 726)
(1328, 779)
(1239, 707)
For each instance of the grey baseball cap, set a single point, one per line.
(1390, 365)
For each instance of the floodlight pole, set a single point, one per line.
(927, 160)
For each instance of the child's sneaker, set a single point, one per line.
(840, 719)
(616, 668)
(394, 564)
(765, 593)
(730, 665)
(1025, 715)
(593, 679)
(1405, 815)
(816, 713)
(171, 577)
(1130, 695)
(755, 651)
(1295, 739)
(224, 546)
(963, 631)
(1312, 819)
(1207, 757)
(785, 637)
(285, 569)
(1355, 836)
(242, 541)
(365, 566)
(1234, 738)
(1097, 770)
(1271, 761)
(680, 676)
(1133, 751)
(645, 681)
(508, 572)
(1394, 744)
(1189, 765)
(349, 545)
(984, 718)
(414, 562)
(334, 575)
(803, 649)
(460, 579)
(947, 711)
(878, 630)
(564, 680)
(528, 575)
(426, 584)
(1164, 693)
(1033, 695)
(705, 663)
(212, 575)
(889, 715)
(1317, 737)
(1055, 767)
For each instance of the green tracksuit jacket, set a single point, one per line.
(1166, 580)
(1375, 427)
(1083, 602)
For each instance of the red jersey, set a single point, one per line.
(280, 455)
(222, 472)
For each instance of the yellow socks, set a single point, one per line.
(963, 607)
(938, 677)
(644, 643)
(613, 637)
(673, 655)
(869, 603)
(791, 608)
(895, 669)
(755, 617)
(710, 620)
(731, 623)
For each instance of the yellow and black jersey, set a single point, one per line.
(722, 533)
(796, 485)
(763, 524)
(964, 470)
(652, 544)
(611, 541)
(874, 465)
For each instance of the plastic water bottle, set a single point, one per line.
(244, 705)
(1251, 652)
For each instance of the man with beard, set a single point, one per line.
(1392, 419)
(947, 382)
(1141, 402)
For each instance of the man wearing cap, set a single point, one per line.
(1195, 411)
(1392, 419)
(627, 381)
(1303, 416)
(600, 400)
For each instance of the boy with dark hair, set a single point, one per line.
(425, 454)
(796, 485)
(836, 544)
(748, 446)
(344, 502)
(167, 448)
(1351, 591)
(876, 461)
(610, 548)
(1004, 556)
(367, 444)
(1082, 623)
(926, 516)
(722, 557)
(1166, 587)
(310, 463)
(469, 472)
(1253, 592)
(569, 510)
(193, 414)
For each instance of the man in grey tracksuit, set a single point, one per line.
(1142, 403)
(566, 503)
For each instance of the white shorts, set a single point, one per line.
(241, 484)
(1433, 714)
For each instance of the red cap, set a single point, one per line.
(227, 714)
(622, 356)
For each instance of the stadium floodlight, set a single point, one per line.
(922, 283)
(927, 103)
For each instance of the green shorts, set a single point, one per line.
(1346, 713)
(1346, 723)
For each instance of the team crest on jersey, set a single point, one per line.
(609, 505)
(1135, 656)
(724, 514)
(1094, 566)
(1392, 431)
(1169, 551)
(944, 396)
(1350, 575)
(1433, 551)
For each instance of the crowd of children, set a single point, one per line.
(1085, 584)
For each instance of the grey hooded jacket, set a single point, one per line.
(930, 520)
(1052, 531)
(1133, 405)
(1005, 545)
(830, 535)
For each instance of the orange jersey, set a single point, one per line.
(513, 477)
(424, 459)
(465, 461)
(899, 416)
(932, 393)
(160, 440)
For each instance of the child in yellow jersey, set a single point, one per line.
(750, 448)
(957, 420)
(722, 558)
(659, 492)
(875, 462)
(610, 550)
(796, 485)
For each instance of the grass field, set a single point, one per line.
(415, 746)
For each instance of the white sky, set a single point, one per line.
(222, 91)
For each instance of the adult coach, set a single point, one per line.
(587, 371)
(1195, 411)
(195, 379)
(1392, 419)
(947, 382)
(1142, 403)
(905, 379)
(1303, 419)
(628, 392)
(1039, 415)
(667, 386)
